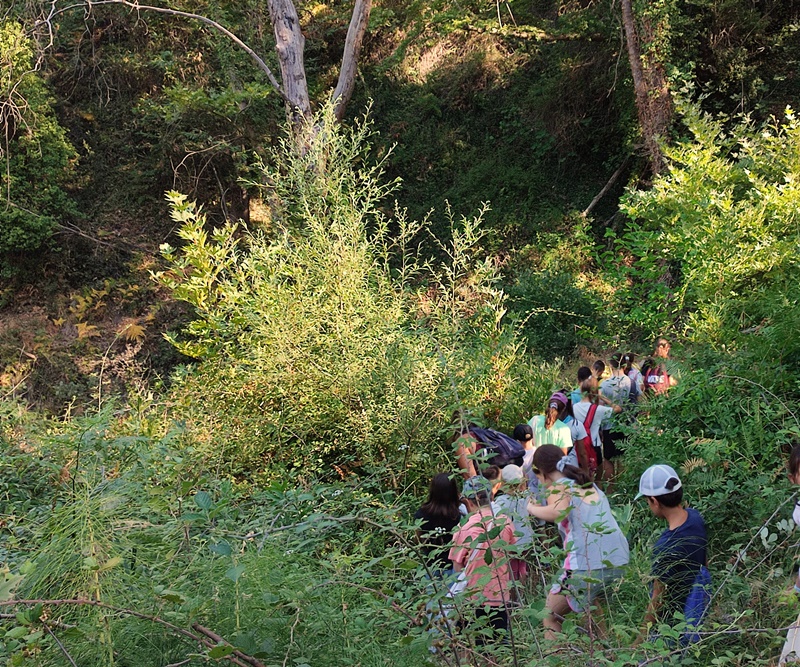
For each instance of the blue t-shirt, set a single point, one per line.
(677, 558)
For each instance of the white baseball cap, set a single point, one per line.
(512, 474)
(653, 481)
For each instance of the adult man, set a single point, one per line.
(656, 378)
(680, 552)
(488, 575)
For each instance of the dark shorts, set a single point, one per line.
(496, 618)
(612, 444)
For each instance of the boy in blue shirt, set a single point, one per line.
(680, 552)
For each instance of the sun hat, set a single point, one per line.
(653, 481)
(512, 474)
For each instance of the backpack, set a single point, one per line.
(498, 449)
(591, 455)
(696, 606)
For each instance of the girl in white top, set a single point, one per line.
(581, 412)
(596, 549)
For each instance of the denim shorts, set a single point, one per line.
(581, 587)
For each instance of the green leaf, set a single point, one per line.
(173, 596)
(111, 563)
(90, 563)
(235, 572)
(17, 632)
(221, 548)
(8, 586)
(203, 500)
(220, 651)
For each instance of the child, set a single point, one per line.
(492, 474)
(596, 548)
(791, 648)
(548, 429)
(617, 389)
(439, 515)
(591, 413)
(514, 505)
(598, 369)
(523, 433)
(488, 574)
(794, 478)
(679, 555)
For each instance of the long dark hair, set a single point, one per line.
(794, 461)
(442, 498)
(546, 458)
(627, 362)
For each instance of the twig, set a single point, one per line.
(89, 4)
(741, 553)
(761, 386)
(291, 636)
(58, 642)
(213, 635)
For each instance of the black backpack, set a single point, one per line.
(497, 448)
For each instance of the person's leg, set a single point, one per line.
(557, 608)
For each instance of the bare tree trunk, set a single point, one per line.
(289, 44)
(653, 102)
(352, 51)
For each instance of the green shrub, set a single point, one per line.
(38, 159)
(330, 344)
(713, 244)
(555, 314)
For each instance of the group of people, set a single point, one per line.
(489, 533)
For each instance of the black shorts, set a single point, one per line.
(497, 618)
(612, 441)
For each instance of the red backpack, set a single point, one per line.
(591, 455)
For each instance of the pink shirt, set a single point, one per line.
(488, 583)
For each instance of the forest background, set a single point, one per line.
(217, 422)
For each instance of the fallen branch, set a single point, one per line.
(607, 186)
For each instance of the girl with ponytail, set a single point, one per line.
(596, 548)
(548, 429)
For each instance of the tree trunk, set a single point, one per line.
(653, 102)
(352, 51)
(289, 44)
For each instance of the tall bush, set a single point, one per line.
(326, 341)
(713, 244)
(37, 157)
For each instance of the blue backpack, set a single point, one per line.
(498, 448)
(696, 606)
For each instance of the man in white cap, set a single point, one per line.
(680, 552)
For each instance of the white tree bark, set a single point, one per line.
(352, 50)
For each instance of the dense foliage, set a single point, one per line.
(254, 503)
(38, 159)
(328, 341)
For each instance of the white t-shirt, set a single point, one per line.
(581, 411)
(577, 429)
